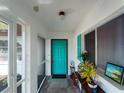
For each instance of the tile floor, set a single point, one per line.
(58, 86)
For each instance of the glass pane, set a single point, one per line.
(4, 63)
(20, 61)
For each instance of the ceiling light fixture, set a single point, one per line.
(36, 8)
(45, 1)
(62, 15)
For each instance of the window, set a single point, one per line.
(79, 47)
(3, 26)
(12, 56)
(12, 43)
(20, 58)
(4, 63)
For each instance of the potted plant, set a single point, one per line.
(87, 70)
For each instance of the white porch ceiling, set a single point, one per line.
(76, 10)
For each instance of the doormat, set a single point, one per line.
(59, 76)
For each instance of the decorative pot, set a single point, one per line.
(93, 87)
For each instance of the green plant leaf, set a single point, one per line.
(87, 70)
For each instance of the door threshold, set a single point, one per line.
(59, 76)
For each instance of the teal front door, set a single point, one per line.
(59, 56)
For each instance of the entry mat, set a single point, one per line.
(59, 76)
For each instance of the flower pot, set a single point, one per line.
(93, 87)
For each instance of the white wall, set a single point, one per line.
(104, 11)
(19, 8)
(40, 55)
(59, 35)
